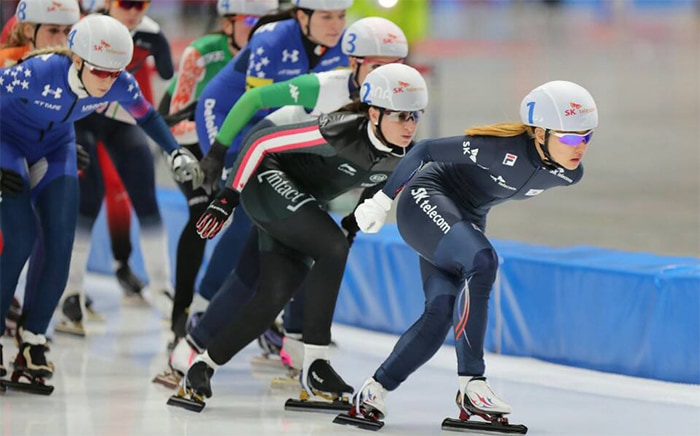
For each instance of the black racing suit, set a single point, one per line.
(286, 175)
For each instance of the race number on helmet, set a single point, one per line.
(62, 12)
(560, 105)
(375, 36)
(102, 41)
(396, 87)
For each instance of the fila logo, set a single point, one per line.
(347, 169)
(533, 192)
(466, 150)
(293, 55)
(55, 92)
(509, 159)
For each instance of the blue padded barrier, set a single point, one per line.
(628, 313)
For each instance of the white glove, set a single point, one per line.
(185, 167)
(371, 214)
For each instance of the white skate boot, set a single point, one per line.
(292, 357)
(475, 397)
(179, 361)
(368, 407)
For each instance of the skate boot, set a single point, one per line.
(31, 364)
(322, 388)
(72, 316)
(3, 370)
(12, 318)
(368, 408)
(271, 343)
(292, 357)
(476, 398)
(195, 385)
(131, 285)
(179, 361)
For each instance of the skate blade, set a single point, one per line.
(70, 328)
(267, 362)
(135, 300)
(168, 379)
(356, 421)
(285, 383)
(452, 424)
(95, 317)
(317, 406)
(32, 388)
(185, 403)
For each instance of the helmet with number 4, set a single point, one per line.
(246, 7)
(396, 87)
(374, 36)
(560, 105)
(63, 12)
(322, 5)
(102, 41)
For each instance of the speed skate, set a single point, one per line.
(322, 390)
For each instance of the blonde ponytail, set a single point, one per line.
(501, 129)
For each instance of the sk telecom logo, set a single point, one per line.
(389, 38)
(402, 87)
(54, 5)
(573, 108)
(102, 45)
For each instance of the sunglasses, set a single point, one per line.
(132, 4)
(573, 139)
(102, 74)
(403, 116)
(248, 20)
(374, 63)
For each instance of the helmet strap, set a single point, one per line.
(80, 77)
(232, 37)
(394, 150)
(356, 74)
(36, 30)
(548, 160)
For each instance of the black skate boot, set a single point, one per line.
(131, 284)
(195, 386)
(322, 390)
(3, 371)
(31, 365)
(72, 317)
(476, 398)
(12, 318)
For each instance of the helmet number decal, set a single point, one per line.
(71, 37)
(225, 5)
(530, 111)
(352, 37)
(22, 11)
(365, 93)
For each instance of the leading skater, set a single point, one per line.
(41, 98)
(442, 215)
(284, 176)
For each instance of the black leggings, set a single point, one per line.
(287, 248)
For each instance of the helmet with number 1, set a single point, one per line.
(560, 105)
(322, 5)
(246, 7)
(374, 36)
(102, 41)
(396, 87)
(63, 12)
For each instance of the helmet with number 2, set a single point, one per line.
(246, 7)
(396, 87)
(374, 36)
(102, 41)
(63, 12)
(560, 105)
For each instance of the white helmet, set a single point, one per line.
(322, 5)
(246, 7)
(560, 105)
(102, 41)
(90, 5)
(374, 36)
(395, 87)
(48, 11)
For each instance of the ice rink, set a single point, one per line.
(103, 387)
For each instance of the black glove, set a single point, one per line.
(349, 224)
(10, 182)
(217, 214)
(212, 164)
(83, 157)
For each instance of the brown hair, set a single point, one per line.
(501, 129)
(356, 106)
(16, 37)
(64, 51)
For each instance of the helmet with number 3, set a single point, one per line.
(63, 12)
(102, 41)
(246, 7)
(396, 87)
(560, 105)
(374, 36)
